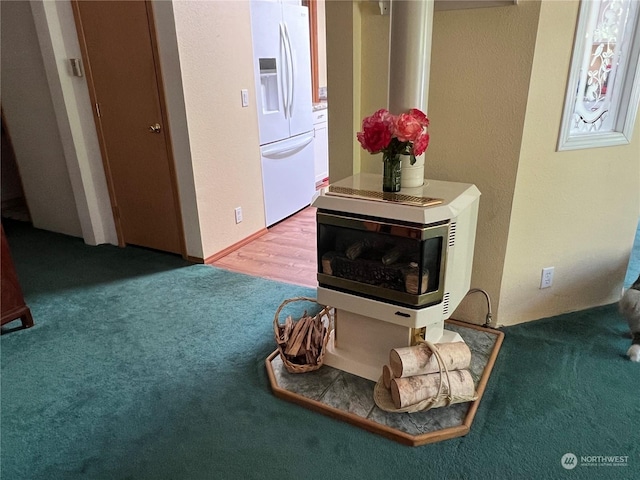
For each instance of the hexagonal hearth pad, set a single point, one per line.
(347, 397)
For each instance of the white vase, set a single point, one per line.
(412, 175)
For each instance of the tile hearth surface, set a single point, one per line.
(349, 397)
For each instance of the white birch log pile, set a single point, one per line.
(411, 390)
(415, 380)
(419, 360)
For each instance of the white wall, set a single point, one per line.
(32, 124)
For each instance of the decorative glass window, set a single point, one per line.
(604, 84)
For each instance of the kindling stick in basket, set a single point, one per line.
(302, 343)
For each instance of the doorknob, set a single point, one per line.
(155, 128)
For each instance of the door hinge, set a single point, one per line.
(98, 110)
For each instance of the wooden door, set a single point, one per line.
(120, 57)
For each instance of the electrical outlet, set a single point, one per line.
(245, 97)
(238, 211)
(546, 280)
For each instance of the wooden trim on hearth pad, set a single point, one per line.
(385, 430)
(235, 246)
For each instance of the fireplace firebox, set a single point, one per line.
(394, 266)
(395, 261)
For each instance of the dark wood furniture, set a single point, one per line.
(13, 306)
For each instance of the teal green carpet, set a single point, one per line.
(142, 367)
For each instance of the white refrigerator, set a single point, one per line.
(282, 63)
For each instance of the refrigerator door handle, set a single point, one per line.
(288, 149)
(284, 71)
(291, 70)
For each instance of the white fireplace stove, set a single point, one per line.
(394, 266)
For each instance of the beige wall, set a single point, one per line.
(374, 83)
(178, 128)
(357, 57)
(215, 140)
(31, 121)
(498, 80)
(56, 30)
(574, 210)
(321, 25)
(480, 71)
(216, 60)
(343, 86)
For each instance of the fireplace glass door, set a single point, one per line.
(397, 262)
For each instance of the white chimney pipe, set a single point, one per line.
(409, 64)
(409, 54)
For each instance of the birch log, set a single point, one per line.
(411, 390)
(419, 360)
(387, 375)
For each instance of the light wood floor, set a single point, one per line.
(287, 252)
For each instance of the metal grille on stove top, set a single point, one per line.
(399, 198)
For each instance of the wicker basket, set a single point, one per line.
(325, 316)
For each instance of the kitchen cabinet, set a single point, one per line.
(321, 145)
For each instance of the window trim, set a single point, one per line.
(623, 124)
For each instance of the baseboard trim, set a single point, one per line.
(191, 259)
(234, 247)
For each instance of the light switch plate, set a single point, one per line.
(76, 67)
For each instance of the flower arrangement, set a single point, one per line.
(393, 135)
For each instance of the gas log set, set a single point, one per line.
(374, 261)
